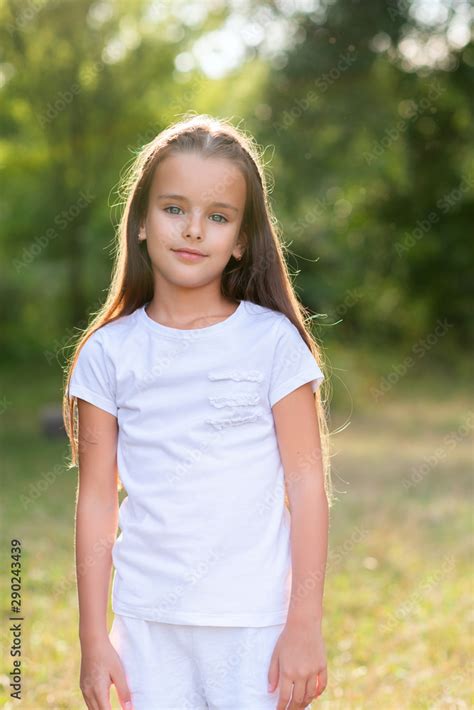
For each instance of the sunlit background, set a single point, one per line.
(364, 112)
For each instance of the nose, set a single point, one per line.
(193, 227)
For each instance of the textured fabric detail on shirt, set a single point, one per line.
(235, 401)
(241, 396)
(237, 375)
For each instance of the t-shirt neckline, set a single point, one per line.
(189, 332)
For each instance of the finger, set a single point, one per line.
(103, 698)
(119, 679)
(284, 696)
(90, 699)
(311, 690)
(273, 671)
(88, 685)
(90, 703)
(297, 697)
(322, 680)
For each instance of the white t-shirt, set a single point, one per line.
(205, 533)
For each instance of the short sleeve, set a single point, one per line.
(92, 377)
(293, 363)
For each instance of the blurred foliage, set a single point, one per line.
(371, 155)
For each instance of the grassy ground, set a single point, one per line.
(398, 591)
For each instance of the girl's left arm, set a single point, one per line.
(301, 650)
(297, 429)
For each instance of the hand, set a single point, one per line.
(299, 658)
(101, 666)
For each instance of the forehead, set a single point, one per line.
(200, 179)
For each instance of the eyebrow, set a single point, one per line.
(213, 204)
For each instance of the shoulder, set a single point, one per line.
(265, 317)
(101, 350)
(106, 343)
(111, 335)
(276, 324)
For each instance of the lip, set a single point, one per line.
(189, 255)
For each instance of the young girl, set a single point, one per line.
(197, 388)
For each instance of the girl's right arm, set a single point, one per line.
(96, 528)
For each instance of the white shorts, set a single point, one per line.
(189, 667)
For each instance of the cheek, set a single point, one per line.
(222, 239)
(165, 228)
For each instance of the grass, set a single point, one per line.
(398, 590)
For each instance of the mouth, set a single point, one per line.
(190, 254)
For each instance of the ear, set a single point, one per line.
(239, 248)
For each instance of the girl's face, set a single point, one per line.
(194, 203)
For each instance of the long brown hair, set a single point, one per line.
(261, 276)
